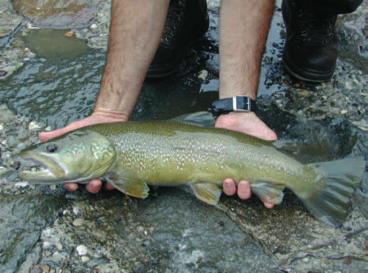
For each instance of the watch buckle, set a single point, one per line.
(235, 105)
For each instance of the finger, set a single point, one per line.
(44, 136)
(244, 191)
(109, 187)
(71, 186)
(229, 187)
(94, 186)
(268, 205)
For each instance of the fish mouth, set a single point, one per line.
(40, 168)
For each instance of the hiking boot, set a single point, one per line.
(186, 22)
(310, 51)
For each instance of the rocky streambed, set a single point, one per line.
(50, 77)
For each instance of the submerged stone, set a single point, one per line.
(54, 44)
(58, 14)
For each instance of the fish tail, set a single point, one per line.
(329, 200)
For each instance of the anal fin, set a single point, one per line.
(206, 192)
(268, 192)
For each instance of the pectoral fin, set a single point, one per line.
(268, 192)
(208, 193)
(131, 187)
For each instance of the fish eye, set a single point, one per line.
(52, 148)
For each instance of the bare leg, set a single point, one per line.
(244, 27)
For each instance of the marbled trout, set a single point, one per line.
(133, 155)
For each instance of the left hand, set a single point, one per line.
(247, 123)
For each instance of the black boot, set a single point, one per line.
(187, 20)
(311, 45)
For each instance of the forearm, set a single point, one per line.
(244, 26)
(135, 32)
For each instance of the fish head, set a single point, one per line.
(74, 157)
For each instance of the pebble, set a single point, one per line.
(202, 75)
(93, 27)
(3, 73)
(84, 259)
(21, 184)
(76, 210)
(69, 34)
(78, 222)
(59, 246)
(82, 250)
(34, 126)
(40, 268)
(46, 245)
(30, 26)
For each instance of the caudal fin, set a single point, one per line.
(330, 200)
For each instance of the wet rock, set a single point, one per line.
(22, 219)
(9, 21)
(58, 14)
(11, 59)
(352, 32)
(82, 250)
(97, 34)
(34, 126)
(55, 45)
(78, 222)
(41, 268)
(129, 234)
(203, 74)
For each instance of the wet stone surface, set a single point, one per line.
(8, 21)
(45, 229)
(57, 14)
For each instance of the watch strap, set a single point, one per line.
(233, 104)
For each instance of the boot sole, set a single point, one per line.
(307, 76)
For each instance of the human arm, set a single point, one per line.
(244, 27)
(135, 31)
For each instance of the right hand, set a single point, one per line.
(93, 186)
(250, 124)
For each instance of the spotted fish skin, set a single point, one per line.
(133, 155)
(168, 153)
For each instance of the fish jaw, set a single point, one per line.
(47, 169)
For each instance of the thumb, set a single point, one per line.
(45, 136)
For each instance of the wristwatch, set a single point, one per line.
(232, 104)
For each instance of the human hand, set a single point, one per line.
(93, 186)
(247, 123)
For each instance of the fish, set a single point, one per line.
(137, 154)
